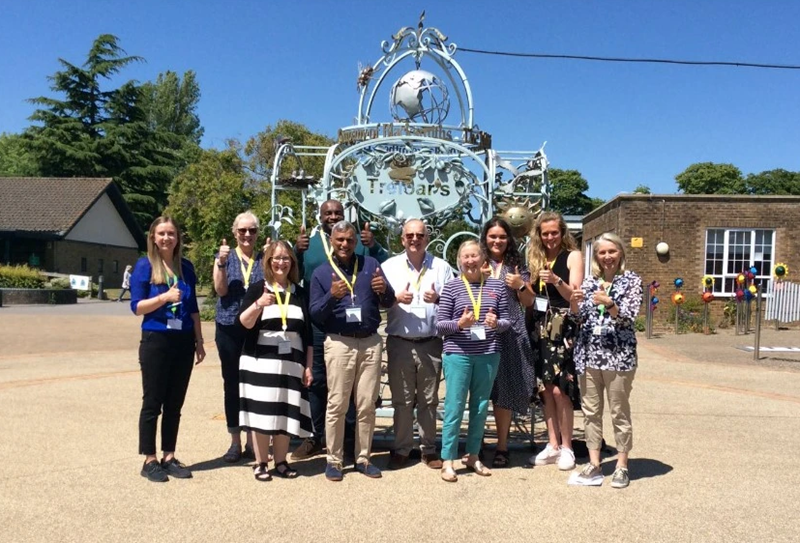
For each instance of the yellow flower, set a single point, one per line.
(708, 282)
(780, 270)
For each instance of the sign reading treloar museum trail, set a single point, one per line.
(422, 157)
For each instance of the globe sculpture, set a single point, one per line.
(419, 96)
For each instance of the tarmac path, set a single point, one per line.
(716, 437)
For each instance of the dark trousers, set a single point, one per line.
(318, 394)
(229, 339)
(166, 360)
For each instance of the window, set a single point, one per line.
(84, 265)
(115, 263)
(99, 265)
(729, 252)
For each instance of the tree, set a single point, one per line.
(568, 192)
(711, 178)
(777, 181)
(15, 159)
(641, 189)
(171, 104)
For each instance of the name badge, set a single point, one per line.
(541, 304)
(284, 346)
(477, 332)
(418, 311)
(599, 330)
(174, 324)
(352, 314)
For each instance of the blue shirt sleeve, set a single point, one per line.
(140, 282)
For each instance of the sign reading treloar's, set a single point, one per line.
(424, 157)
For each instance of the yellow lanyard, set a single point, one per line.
(497, 270)
(245, 272)
(283, 306)
(351, 285)
(418, 282)
(476, 305)
(542, 285)
(325, 246)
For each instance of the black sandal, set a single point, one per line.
(261, 473)
(501, 459)
(285, 470)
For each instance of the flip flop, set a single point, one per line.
(449, 475)
(479, 468)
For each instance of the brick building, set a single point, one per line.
(717, 235)
(68, 225)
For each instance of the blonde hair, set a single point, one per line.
(597, 269)
(294, 271)
(537, 256)
(464, 245)
(159, 270)
(244, 215)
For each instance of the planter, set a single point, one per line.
(30, 296)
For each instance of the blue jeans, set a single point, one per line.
(318, 394)
(473, 374)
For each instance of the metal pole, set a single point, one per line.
(649, 316)
(677, 314)
(757, 345)
(738, 318)
(706, 330)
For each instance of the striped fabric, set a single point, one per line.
(273, 399)
(454, 299)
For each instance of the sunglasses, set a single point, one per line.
(251, 231)
(413, 235)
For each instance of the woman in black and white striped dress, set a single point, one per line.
(275, 366)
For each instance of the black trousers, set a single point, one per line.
(166, 360)
(229, 339)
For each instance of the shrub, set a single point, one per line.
(20, 277)
(208, 311)
(58, 284)
(640, 324)
(691, 315)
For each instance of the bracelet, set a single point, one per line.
(221, 265)
(258, 306)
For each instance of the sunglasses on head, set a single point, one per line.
(412, 235)
(251, 231)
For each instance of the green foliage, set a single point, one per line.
(21, 276)
(208, 311)
(728, 315)
(15, 158)
(119, 133)
(777, 181)
(568, 193)
(58, 283)
(690, 318)
(711, 178)
(640, 324)
(641, 189)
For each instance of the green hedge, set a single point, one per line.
(20, 277)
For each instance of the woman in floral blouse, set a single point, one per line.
(605, 353)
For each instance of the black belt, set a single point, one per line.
(415, 339)
(359, 335)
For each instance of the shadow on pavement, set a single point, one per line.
(640, 468)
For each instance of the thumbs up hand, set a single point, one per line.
(378, 282)
(467, 319)
(431, 296)
(491, 318)
(224, 251)
(173, 295)
(301, 243)
(338, 287)
(367, 237)
(405, 296)
(514, 280)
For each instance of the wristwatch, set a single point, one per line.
(612, 305)
(220, 265)
(523, 287)
(559, 282)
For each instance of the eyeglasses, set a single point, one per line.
(251, 231)
(412, 235)
(281, 259)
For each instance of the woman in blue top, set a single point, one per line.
(234, 271)
(163, 292)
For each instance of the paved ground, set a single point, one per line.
(716, 437)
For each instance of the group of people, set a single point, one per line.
(297, 336)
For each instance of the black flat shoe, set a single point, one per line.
(285, 470)
(233, 455)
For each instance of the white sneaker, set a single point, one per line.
(566, 461)
(546, 456)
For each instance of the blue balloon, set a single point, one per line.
(654, 301)
(748, 295)
(678, 282)
(754, 270)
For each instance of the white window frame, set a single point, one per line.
(722, 280)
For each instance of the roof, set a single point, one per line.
(50, 207)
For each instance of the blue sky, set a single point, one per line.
(620, 125)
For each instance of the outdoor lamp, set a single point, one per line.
(662, 248)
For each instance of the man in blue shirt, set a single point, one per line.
(347, 292)
(312, 251)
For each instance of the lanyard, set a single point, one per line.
(283, 306)
(497, 270)
(325, 245)
(174, 278)
(476, 305)
(351, 285)
(245, 273)
(602, 307)
(550, 265)
(416, 284)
